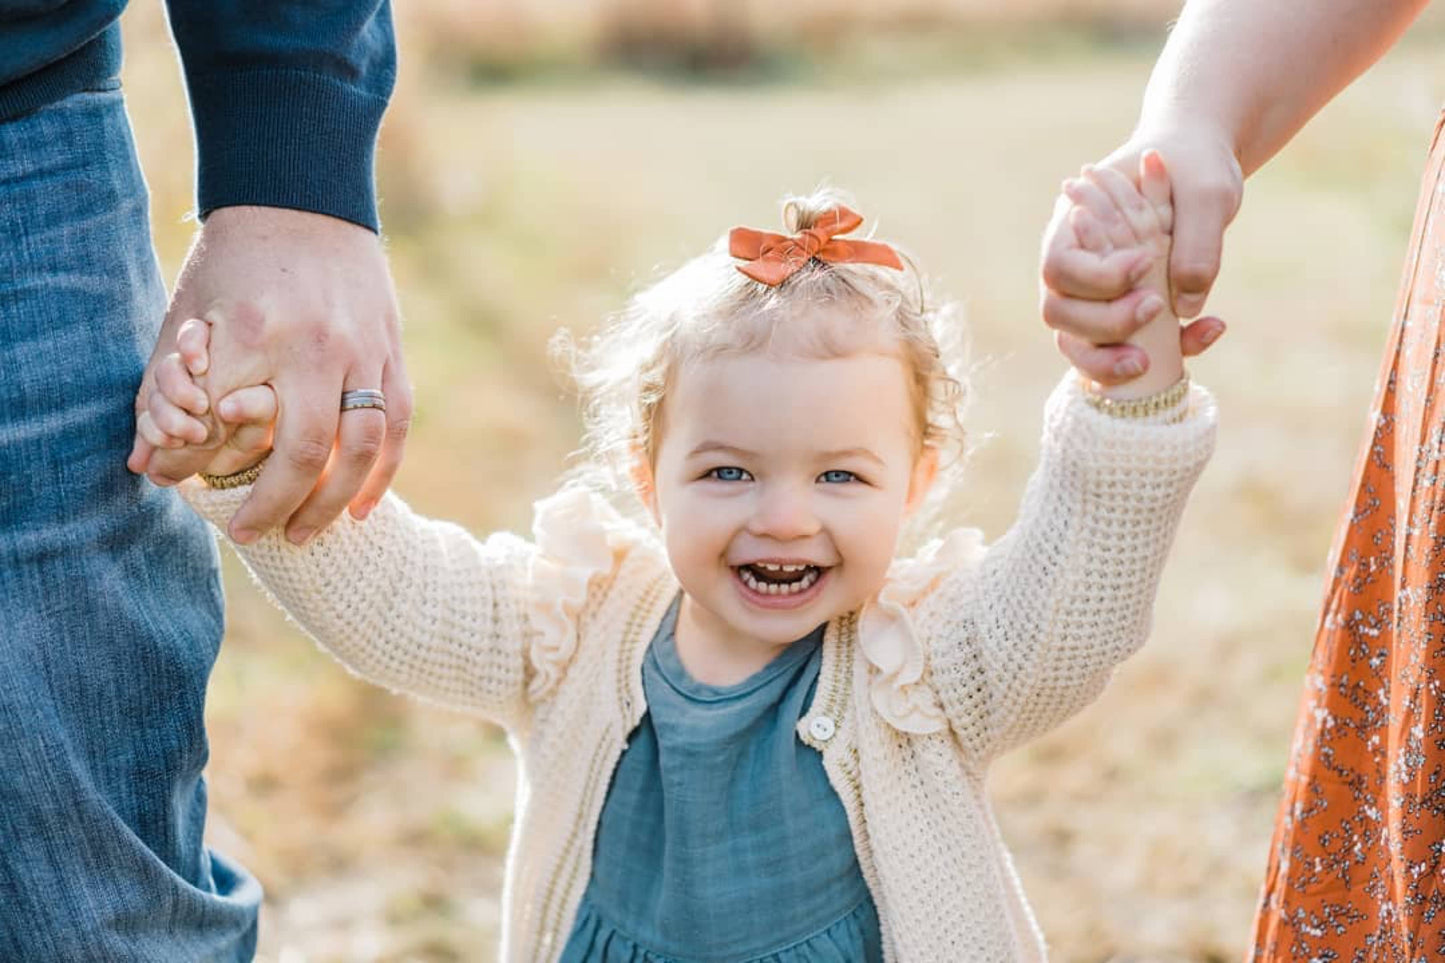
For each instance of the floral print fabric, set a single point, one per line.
(1355, 869)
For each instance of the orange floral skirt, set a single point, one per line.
(1356, 873)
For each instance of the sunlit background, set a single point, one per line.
(543, 159)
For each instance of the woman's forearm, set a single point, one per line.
(1258, 71)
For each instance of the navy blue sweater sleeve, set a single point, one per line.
(287, 98)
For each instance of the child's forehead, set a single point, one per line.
(769, 398)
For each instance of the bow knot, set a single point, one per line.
(773, 258)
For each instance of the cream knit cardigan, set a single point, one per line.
(965, 652)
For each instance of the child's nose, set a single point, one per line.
(784, 512)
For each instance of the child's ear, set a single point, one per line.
(643, 481)
(925, 470)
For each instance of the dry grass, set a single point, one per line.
(1140, 828)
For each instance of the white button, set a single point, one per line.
(821, 728)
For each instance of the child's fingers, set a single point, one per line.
(1095, 278)
(1154, 184)
(1137, 213)
(256, 403)
(193, 341)
(174, 381)
(1089, 232)
(147, 429)
(174, 422)
(1089, 196)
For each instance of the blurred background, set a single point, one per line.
(544, 158)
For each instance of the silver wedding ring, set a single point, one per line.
(363, 398)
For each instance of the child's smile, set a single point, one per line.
(781, 584)
(780, 486)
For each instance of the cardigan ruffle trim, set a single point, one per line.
(579, 537)
(897, 658)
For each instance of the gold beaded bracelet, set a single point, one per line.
(246, 476)
(1156, 404)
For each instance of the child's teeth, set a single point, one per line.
(778, 588)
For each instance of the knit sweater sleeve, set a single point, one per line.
(1032, 632)
(423, 607)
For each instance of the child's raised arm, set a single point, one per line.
(1032, 632)
(415, 604)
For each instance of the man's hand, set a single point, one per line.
(1094, 310)
(305, 303)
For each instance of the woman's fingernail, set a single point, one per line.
(1148, 308)
(1211, 334)
(300, 535)
(363, 511)
(1130, 368)
(243, 536)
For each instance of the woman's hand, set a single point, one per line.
(1096, 307)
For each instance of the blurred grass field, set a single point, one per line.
(542, 160)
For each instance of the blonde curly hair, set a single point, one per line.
(707, 308)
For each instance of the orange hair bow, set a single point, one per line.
(773, 258)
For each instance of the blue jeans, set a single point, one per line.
(110, 603)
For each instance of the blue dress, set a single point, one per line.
(721, 840)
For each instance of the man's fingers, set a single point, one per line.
(252, 439)
(305, 436)
(360, 439)
(1198, 335)
(1108, 364)
(1101, 322)
(398, 391)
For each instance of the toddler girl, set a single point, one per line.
(747, 732)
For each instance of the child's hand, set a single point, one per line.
(1110, 218)
(179, 413)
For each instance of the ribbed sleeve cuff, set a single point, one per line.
(286, 139)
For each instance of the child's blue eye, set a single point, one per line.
(728, 473)
(837, 475)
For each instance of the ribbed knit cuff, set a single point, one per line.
(95, 66)
(288, 139)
